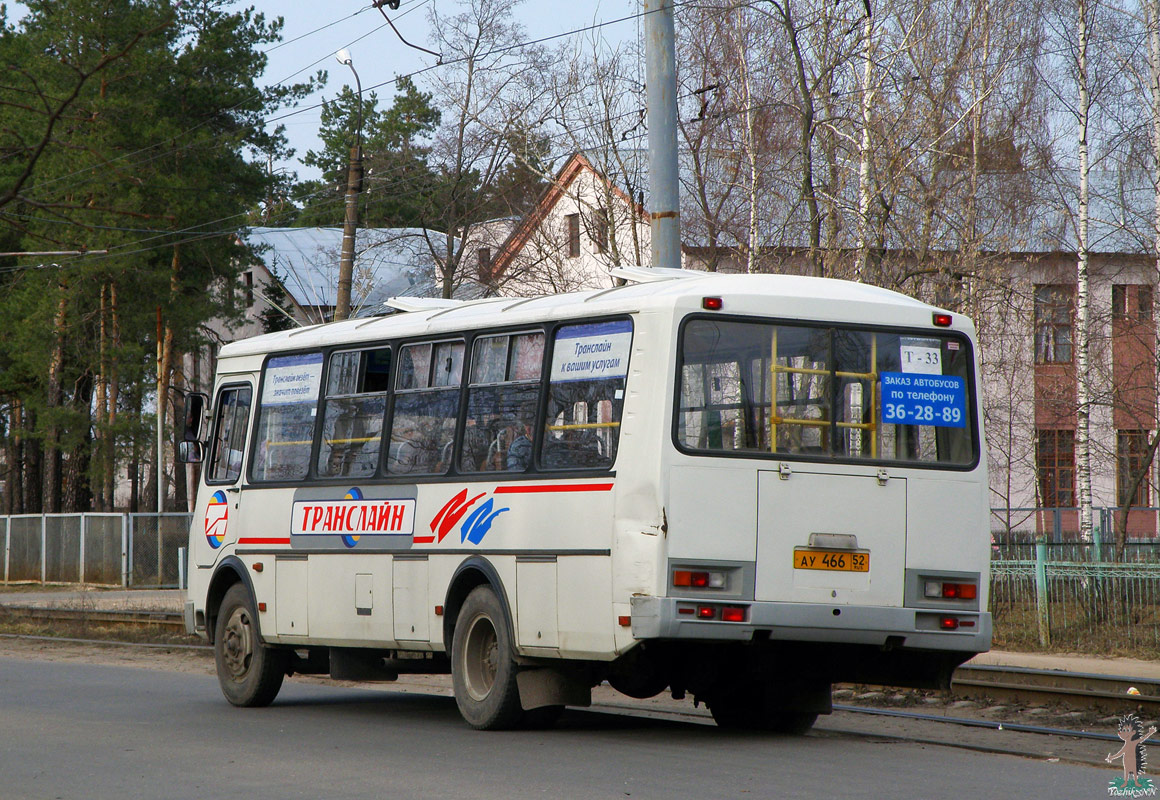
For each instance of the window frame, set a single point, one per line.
(546, 390)
(1042, 470)
(263, 373)
(324, 398)
(399, 346)
(251, 420)
(1040, 325)
(972, 394)
(1132, 459)
(572, 232)
(469, 385)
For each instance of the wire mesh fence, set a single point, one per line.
(131, 550)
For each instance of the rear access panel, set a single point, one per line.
(835, 539)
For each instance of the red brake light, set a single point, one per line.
(942, 320)
(712, 303)
(733, 614)
(948, 623)
(706, 612)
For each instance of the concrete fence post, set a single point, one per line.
(1041, 598)
(7, 546)
(125, 551)
(84, 530)
(181, 568)
(43, 547)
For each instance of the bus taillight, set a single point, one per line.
(733, 614)
(698, 579)
(951, 591)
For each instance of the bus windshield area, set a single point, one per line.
(826, 392)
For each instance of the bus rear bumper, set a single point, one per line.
(882, 626)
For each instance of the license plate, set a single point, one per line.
(837, 560)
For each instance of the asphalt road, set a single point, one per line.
(85, 732)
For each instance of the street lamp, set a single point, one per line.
(353, 188)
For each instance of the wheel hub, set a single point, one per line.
(238, 644)
(481, 658)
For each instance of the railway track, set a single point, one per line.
(166, 621)
(1088, 691)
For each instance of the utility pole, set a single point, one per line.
(354, 177)
(661, 100)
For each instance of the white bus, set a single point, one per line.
(744, 488)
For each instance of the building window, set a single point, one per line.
(600, 229)
(483, 254)
(1123, 306)
(1055, 463)
(1131, 453)
(1053, 309)
(248, 282)
(573, 222)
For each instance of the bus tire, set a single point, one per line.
(250, 673)
(483, 671)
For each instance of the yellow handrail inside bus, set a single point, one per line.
(582, 426)
(872, 376)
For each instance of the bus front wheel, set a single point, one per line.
(250, 673)
(483, 671)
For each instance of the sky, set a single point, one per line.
(314, 31)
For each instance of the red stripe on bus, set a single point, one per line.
(555, 487)
(259, 540)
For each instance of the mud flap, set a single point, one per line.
(549, 687)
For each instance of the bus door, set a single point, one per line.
(219, 504)
(830, 538)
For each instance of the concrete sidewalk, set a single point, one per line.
(172, 600)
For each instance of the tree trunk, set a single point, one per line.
(1083, 462)
(862, 265)
(110, 459)
(53, 476)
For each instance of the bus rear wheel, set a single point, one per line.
(739, 711)
(483, 671)
(250, 673)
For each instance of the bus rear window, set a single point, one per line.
(753, 387)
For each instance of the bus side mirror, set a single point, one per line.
(189, 452)
(195, 405)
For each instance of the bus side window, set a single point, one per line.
(229, 437)
(426, 407)
(352, 420)
(586, 395)
(286, 412)
(502, 402)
